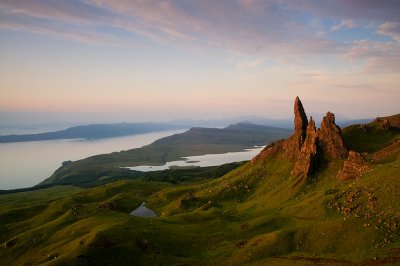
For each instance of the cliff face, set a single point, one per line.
(331, 139)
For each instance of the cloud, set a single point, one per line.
(379, 57)
(255, 28)
(247, 27)
(391, 29)
(367, 10)
(346, 23)
(78, 35)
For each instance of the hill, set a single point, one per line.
(317, 198)
(196, 141)
(94, 131)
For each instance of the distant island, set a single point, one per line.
(93, 131)
(196, 141)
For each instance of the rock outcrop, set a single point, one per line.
(187, 200)
(331, 139)
(353, 167)
(308, 147)
(300, 118)
(307, 161)
(389, 122)
(295, 142)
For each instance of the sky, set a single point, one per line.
(149, 60)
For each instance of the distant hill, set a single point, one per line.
(94, 131)
(281, 123)
(196, 141)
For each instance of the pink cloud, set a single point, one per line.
(223, 25)
(379, 57)
(346, 23)
(391, 29)
(250, 27)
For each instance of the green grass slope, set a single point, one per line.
(254, 215)
(370, 137)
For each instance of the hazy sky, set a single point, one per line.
(158, 60)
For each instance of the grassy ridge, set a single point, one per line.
(369, 137)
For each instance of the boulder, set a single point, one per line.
(354, 167)
(187, 199)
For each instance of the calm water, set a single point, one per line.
(204, 160)
(24, 164)
(143, 211)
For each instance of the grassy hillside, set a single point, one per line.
(196, 141)
(370, 137)
(254, 215)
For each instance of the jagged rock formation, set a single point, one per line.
(300, 118)
(307, 161)
(309, 146)
(295, 142)
(389, 121)
(331, 139)
(353, 167)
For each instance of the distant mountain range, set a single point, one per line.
(94, 131)
(283, 123)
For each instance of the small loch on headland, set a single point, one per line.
(203, 160)
(143, 211)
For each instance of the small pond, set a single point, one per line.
(143, 211)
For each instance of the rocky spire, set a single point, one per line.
(307, 160)
(300, 118)
(331, 139)
(293, 145)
